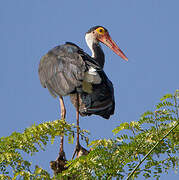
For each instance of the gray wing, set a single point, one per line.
(62, 70)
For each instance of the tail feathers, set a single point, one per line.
(88, 107)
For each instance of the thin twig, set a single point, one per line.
(130, 175)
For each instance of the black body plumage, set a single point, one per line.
(100, 101)
(64, 70)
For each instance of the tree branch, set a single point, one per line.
(133, 171)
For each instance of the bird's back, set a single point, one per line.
(62, 69)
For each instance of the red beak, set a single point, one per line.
(106, 39)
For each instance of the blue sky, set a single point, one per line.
(147, 31)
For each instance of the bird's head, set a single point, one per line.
(100, 34)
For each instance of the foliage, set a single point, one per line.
(108, 158)
(30, 141)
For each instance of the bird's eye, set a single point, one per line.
(100, 30)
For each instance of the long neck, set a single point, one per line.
(98, 54)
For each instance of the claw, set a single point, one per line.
(80, 151)
(59, 164)
(61, 156)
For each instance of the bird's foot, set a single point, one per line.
(59, 164)
(80, 151)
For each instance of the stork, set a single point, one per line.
(68, 70)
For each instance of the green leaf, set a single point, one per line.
(177, 93)
(38, 170)
(70, 139)
(121, 127)
(166, 96)
(52, 139)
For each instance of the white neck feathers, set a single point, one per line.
(90, 40)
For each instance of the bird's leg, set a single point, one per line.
(62, 107)
(77, 124)
(59, 164)
(63, 115)
(78, 128)
(79, 150)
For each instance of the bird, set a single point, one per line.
(68, 70)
